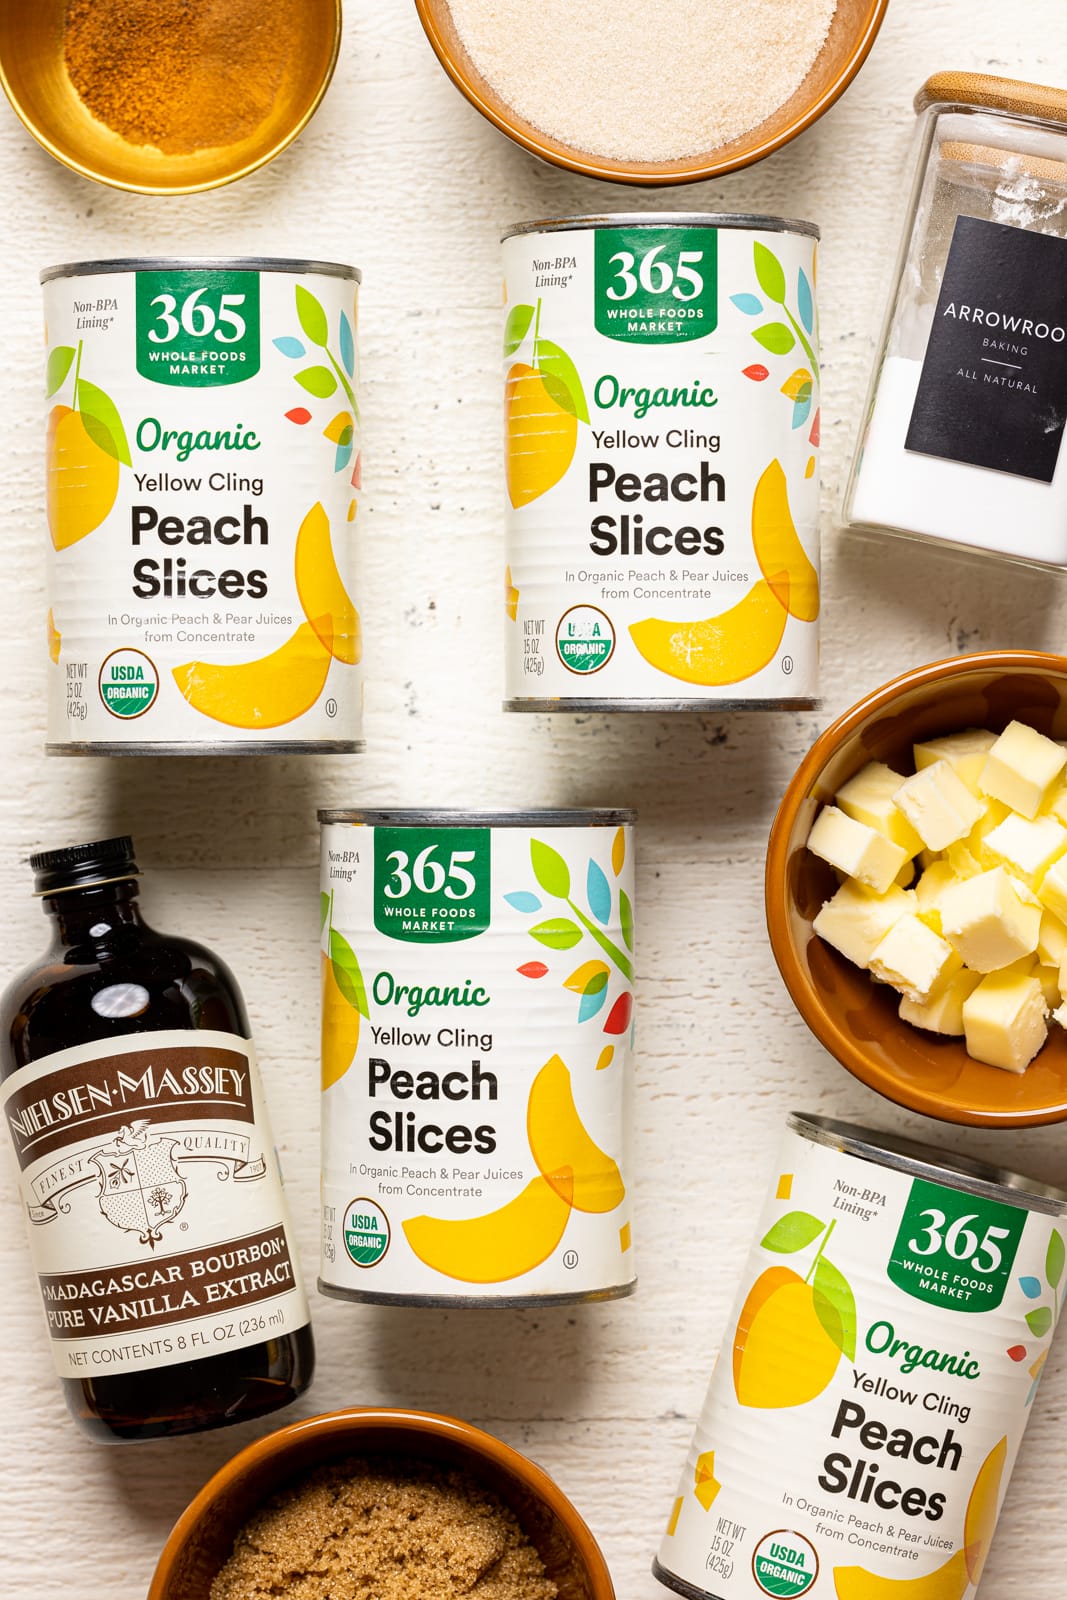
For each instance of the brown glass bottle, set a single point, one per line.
(107, 977)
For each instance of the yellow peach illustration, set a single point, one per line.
(778, 547)
(540, 435)
(782, 1354)
(83, 480)
(722, 649)
(501, 1244)
(55, 638)
(982, 1507)
(560, 1144)
(948, 1582)
(340, 1027)
(511, 596)
(322, 592)
(264, 693)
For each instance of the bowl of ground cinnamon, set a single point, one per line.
(373, 1504)
(652, 91)
(167, 96)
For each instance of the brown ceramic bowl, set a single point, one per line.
(35, 80)
(855, 1018)
(852, 32)
(203, 1536)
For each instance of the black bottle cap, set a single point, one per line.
(80, 865)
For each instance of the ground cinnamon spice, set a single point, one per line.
(395, 1531)
(182, 75)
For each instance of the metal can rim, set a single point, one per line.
(90, 269)
(947, 1167)
(754, 221)
(457, 816)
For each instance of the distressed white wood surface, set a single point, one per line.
(398, 174)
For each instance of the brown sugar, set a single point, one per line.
(182, 75)
(395, 1531)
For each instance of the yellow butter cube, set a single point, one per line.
(1021, 768)
(855, 921)
(868, 797)
(965, 752)
(1004, 1021)
(913, 959)
(943, 1012)
(1052, 890)
(1051, 940)
(854, 848)
(1049, 979)
(1027, 848)
(939, 805)
(990, 920)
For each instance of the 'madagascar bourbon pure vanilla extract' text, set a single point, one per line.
(158, 1227)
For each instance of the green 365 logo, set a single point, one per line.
(656, 285)
(197, 330)
(431, 885)
(955, 1249)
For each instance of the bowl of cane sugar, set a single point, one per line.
(372, 1504)
(167, 96)
(652, 91)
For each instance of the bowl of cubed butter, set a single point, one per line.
(916, 889)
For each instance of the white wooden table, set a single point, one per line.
(399, 175)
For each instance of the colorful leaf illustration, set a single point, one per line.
(324, 909)
(750, 304)
(346, 971)
(816, 430)
(557, 390)
(342, 456)
(592, 1002)
(552, 362)
(797, 384)
(59, 363)
(340, 428)
(805, 301)
(598, 891)
(618, 851)
(756, 372)
(550, 869)
(517, 327)
(769, 273)
(620, 1014)
(590, 977)
(1017, 1352)
(1031, 1287)
(605, 1058)
(626, 919)
(558, 933)
(523, 900)
(318, 381)
(102, 421)
(792, 1232)
(1039, 1321)
(346, 343)
(835, 1306)
(1054, 1259)
(299, 415)
(290, 347)
(532, 969)
(775, 337)
(311, 316)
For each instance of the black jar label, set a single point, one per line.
(993, 387)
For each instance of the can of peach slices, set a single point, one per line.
(477, 1025)
(875, 1379)
(662, 414)
(203, 464)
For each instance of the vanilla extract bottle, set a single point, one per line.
(158, 1227)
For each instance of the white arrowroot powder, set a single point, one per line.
(650, 81)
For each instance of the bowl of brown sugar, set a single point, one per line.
(652, 91)
(372, 1504)
(167, 96)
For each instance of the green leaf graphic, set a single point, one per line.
(626, 919)
(346, 971)
(792, 1232)
(832, 1290)
(557, 390)
(558, 933)
(1039, 1321)
(1054, 1259)
(517, 327)
(318, 381)
(769, 274)
(102, 421)
(312, 316)
(58, 366)
(775, 337)
(324, 909)
(550, 869)
(551, 360)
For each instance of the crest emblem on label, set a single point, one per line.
(141, 1188)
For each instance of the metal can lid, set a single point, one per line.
(666, 219)
(89, 269)
(80, 866)
(457, 817)
(936, 1165)
(983, 91)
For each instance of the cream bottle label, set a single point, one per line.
(157, 1222)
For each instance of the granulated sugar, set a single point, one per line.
(644, 80)
(393, 1531)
